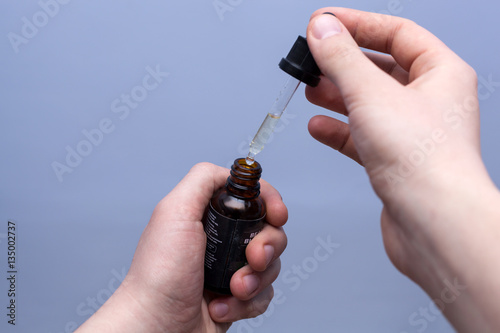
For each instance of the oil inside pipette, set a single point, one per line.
(262, 136)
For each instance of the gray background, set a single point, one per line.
(77, 236)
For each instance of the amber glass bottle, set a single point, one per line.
(235, 215)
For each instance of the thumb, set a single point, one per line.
(342, 61)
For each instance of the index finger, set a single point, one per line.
(414, 48)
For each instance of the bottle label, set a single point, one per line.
(227, 240)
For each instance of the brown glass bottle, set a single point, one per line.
(235, 215)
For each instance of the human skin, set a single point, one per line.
(163, 290)
(413, 123)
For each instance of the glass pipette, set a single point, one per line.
(300, 65)
(266, 129)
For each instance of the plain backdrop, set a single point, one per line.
(65, 67)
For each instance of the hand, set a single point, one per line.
(414, 124)
(163, 290)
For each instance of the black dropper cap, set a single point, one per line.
(300, 63)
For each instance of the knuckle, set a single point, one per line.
(276, 269)
(343, 51)
(202, 167)
(470, 72)
(461, 73)
(405, 23)
(258, 306)
(284, 238)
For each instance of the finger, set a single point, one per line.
(415, 49)
(276, 211)
(342, 61)
(335, 134)
(387, 63)
(246, 283)
(231, 309)
(268, 245)
(406, 41)
(327, 95)
(187, 201)
(192, 194)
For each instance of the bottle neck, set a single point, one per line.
(243, 182)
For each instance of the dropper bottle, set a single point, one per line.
(235, 215)
(301, 66)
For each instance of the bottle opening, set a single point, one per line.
(248, 163)
(249, 160)
(243, 180)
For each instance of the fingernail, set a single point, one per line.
(220, 309)
(251, 283)
(269, 250)
(325, 26)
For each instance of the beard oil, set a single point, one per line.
(235, 215)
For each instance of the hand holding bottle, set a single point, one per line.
(163, 291)
(414, 124)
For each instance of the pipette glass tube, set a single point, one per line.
(272, 118)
